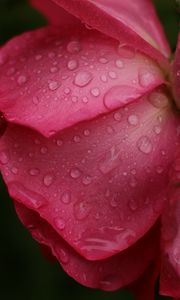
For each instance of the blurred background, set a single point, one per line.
(25, 273)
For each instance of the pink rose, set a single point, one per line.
(91, 153)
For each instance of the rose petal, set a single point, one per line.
(50, 82)
(176, 74)
(109, 274)
(55, 14)
(170, 273)
(123, 20)
(101, 184)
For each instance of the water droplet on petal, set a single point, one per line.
(133, 120)
(48, 180)
(133, 204)
(83, 78)
(14, 170)
(103, 78)
(119, 63)
(112, 75)
(73, 47)
(86, 180)
(109, 282)
(95, 92)
(75, 173)
(44, 150)
(146, 78)
(53, 85)
(76, 138)
(22, 79)
(66, 197)
(81, 210)
(103, 60)
(35, 100)
(85, 100)
(159, 169)
(63, 256)
(144, 145)
(157, 129)
(86, 132)
(117, 116)
(34, 171)
(72, 64)
(38, 57)
(59, 142)
(53, 69)
(4, 158)
(158, 100)
(60, 223)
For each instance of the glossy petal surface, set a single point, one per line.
(100, 184)
(50, 81)
(122, 20)
(109, 274)
(176, 74)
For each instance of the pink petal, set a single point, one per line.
(100, 184)
(55, 14)
(176, 74)
(109, 274)
(50, 82)
(123, 20)
(170, 273)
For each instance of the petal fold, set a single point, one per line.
(100, 184)
(51, 80)
(110, 274)
(124, 21)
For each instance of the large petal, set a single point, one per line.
(176, 74)
(170, 273)
(122, 20)
(56, 15)
(50, 81)
(109, 274)
(101, 184)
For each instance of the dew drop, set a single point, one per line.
(159, 169)
(35, 100)
(59, 223)
(146, 78)
(14, 170)
(103, 78)
(73, 47)
(133, 205)
(133, 120)
(38, 57)
(95, 92)
(59, 142)
(44, 150)
(66, 197)
(86, 132)
(112, 75)
(86, 180)
(72, 64)
(67, 91)
(53, 85)
(144, 145)
(117, 116)
(157, 129)
(81, 210)
(76, 138)
(22, 79)
(48, 180)
(4, 158)
(119, 63)
(85, 100)
(34, 171)
(53, 69)
(75, 173)
(158, 100)
(103, 60)
(83, 78)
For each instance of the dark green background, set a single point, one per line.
(25, 273)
